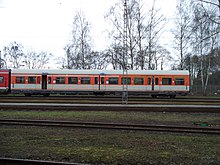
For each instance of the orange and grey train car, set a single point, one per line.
(46, 82)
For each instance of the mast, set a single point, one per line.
(125, 60)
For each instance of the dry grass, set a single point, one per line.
(119, 117)
(108, 147)
(96, 146)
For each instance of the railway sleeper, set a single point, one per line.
(171, 96)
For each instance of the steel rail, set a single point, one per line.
(117, 126)
(112, 100)
(110, 107)
(11, 161)
(112, 96)
(142, 97)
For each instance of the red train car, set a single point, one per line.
(46, 82)
(5, 80)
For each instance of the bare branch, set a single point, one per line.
(218, 5)
(213, 34)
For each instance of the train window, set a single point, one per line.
(60, 80)
(85, 80)
(20, 80)
(179, 81)
(126, 80)
(156, 81)
(166, 81)
(138, 81)
(1, 79)
(32, 80)
(113, 80)
(38, 80)
(149, 81)
(73, 80)
(96, 80)
(49, 80)
(102, 80)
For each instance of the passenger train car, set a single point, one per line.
(46, 82)
(5, 81)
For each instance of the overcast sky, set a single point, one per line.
(46, 24)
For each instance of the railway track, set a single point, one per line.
(11, 161)
(112, 126)
(110, 107)
(109, 99)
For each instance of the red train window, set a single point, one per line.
(149, 81)
(60, 80)
(126, 80)
(113, 80)
(49, 80)
(31, 80)
(20, 80)
(166, 81)
(1, 79)
(85, 80)
(138, 81)
(179, 81)
(156, 81)
(73, 80)
(96, 80)
(102, 80)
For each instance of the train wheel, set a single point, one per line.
(27, 94)
(154, 96)
(172, 96)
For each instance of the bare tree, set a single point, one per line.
(115, 53)
(100, 60)
(203, 41)
(36, 60)
(215, 5)
(2, 62)
(30, 59)
(42, 59)
(14, 54)
(182, 30)
(62, 62)
(79, 49)
(162, 55)
(116, 18)
(140, 31)
(212, 10)
(154, 28)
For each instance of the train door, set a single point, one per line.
(156, 84)
(150, 83)
(44, 81)
(100, 83)
(153, 83)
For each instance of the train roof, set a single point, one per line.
(98, 72)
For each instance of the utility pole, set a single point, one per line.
(125, 60)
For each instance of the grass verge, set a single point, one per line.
(115, 147)
(96, 146)
(120, 117)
